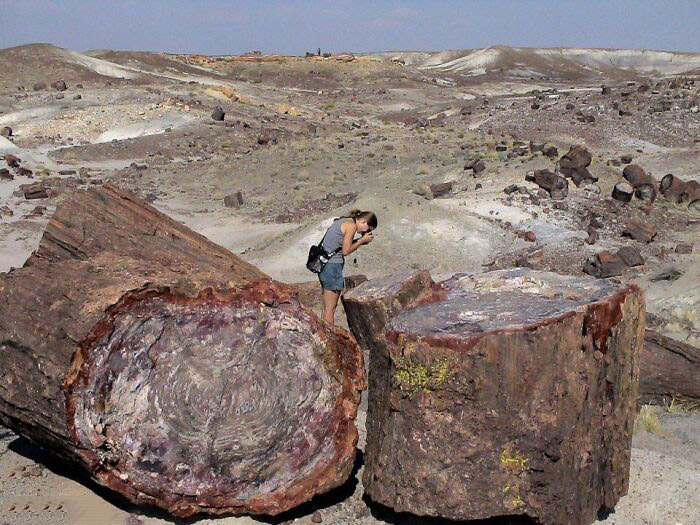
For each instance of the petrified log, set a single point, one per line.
(504, 393)
(671, 187)
(691, 194)
(555, 185)
(643, 183)
(623, 192)
(174, 372)
(668, 369)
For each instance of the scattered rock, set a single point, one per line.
(551, 152)
(574, 165)
(316, 517)
(510, 189)
(6, 131)
(630, 256)
(12, 161)
(267, 137)
(475, 164)
(639, 231)
(59, 85)
(234, 200)
(596, 223)
(5, 174)
(286, 109)
(592, 236)
(218, 114)
(592, 189)
(39, 86)
(684, 248)
(604, 265)
(77, 96)
(34, 470)
(536, 147)
(423, 190)
(528, 236)
(36, 190)
(441, 189)
(25, 172)
(557, 187)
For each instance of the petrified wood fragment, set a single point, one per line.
(506, 393)
(171, 370)
(555, 185)
(639, 231)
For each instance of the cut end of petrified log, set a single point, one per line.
(236, 403)
(469, 306)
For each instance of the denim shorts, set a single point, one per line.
(331, 277)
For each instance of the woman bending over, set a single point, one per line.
(340, 237)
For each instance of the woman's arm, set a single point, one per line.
(349, 229)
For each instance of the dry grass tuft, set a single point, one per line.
(647, 420)
(680, 406)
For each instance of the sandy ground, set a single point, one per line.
(143, 122)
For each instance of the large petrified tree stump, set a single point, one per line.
(171, 370)
(506, 393)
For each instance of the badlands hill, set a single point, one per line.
(552, 63)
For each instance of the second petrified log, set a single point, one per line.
(668, 369)
(169, 369)
(506, 393)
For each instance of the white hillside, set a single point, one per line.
(541, 61)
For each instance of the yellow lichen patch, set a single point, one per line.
(415, 377)
(516, 466)
(514, 459)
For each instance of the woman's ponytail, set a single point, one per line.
(370, 217)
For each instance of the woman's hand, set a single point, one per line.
(367, 238)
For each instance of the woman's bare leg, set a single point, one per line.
(330, 302)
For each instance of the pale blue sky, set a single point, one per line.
(294, 26)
